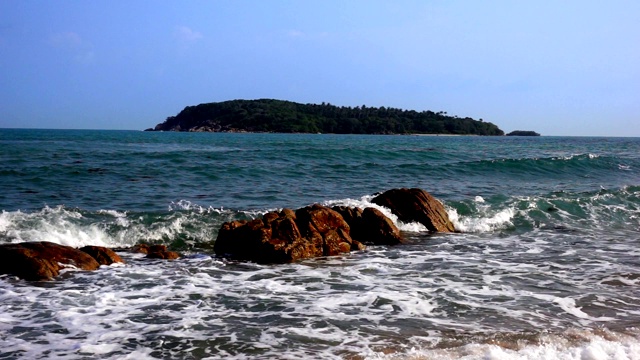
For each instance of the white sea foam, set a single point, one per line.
(58, 225)
(109, 227)
(191, 206)
(385, 302)
(365, 202)
(483, 221)
(379, 303)
(590, 346)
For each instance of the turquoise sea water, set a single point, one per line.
(547, 264)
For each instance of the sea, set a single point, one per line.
(546, 263)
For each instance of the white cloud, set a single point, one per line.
(186, 35)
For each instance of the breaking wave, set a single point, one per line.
(186, 224)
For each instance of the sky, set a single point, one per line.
(556, 67)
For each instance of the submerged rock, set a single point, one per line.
(155, 251)
(287, 236)
(103, 255)
(42, 260)
(416, 205)
(161, 252)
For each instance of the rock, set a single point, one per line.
(161, 252)
(353, 217)
(42, 260)
(379, 228)
(140, 249)
(416, 205)
(103, 255)
(154, 251)
(286, 236)
(327, 227)
(370, 226)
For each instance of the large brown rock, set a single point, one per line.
(286, 236)
(103, 255)
(370, 226)
(42, 260)
(416, 205)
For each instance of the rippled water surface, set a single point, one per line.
(546, 266)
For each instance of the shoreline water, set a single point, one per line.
(546, 265)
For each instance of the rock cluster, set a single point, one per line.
(313, 231)
(44, 260)
(286, 236)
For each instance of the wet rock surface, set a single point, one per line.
(416, 205)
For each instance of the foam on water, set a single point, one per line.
(185, 223)
(58, 225)
(365, 202)
(484, 221)
(458, 296)
(574, 345)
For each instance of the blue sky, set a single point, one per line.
(556, 67)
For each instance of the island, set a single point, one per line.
(280, 116)
(523, 133)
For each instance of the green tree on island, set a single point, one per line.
(278, 116)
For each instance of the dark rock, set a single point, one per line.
(416, 205)
(523, 133)
(42, 260)
(370, 226)
(103, 255)
(155, 251)
(140, 249)
(286, 236)
(353, 217)
(379, 229)
(161, 252)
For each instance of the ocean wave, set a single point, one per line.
(544, 165)
(58, 225)
(186, 224)
(617, 209)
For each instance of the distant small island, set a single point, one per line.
(279, 116)
(523, 133)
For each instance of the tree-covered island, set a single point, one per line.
(278, 116)
(523, 133)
